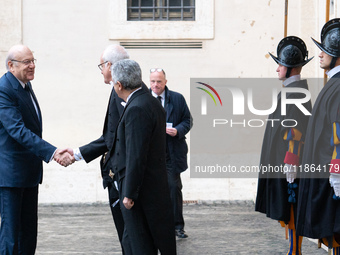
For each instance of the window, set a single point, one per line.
(202, 27)
(161, 10)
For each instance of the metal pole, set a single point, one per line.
(327, 19)
(285, 35)
(327, 9)
(286, 18)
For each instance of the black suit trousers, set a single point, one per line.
(115, 210)
(176, 196)
(137, 235)
(143, 234)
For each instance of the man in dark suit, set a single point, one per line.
(139, 164)
(103, 144)
(179, 122)
(21, 154)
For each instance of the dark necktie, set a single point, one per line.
(27, 88)
(30, 94)
(159, 99)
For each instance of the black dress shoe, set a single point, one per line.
(180, 233)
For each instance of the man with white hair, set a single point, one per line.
(103, 144)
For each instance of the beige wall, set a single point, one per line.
(68, 37)
(10, 28)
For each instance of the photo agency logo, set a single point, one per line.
(241, 98)
(204, 99)
(230, 116)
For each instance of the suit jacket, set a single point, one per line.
(177, 113)
(104, 143)
(22, 148)
(138, 160)
(139, 149)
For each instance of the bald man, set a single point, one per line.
(21, 154)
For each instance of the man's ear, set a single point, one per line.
(120, 86)
(10, 64)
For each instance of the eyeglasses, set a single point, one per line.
(100, 66)
(160, 70)
(26, 62)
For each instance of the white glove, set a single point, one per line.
(334, 180)
(290, 172)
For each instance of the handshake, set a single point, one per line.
(64, 157)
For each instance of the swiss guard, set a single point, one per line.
(282, 146)
(319, 197)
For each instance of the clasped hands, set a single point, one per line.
(64, 157)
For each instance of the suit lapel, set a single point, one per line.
(111, 102)
(136, 94)
(25, 97)
(39, 118)
(28, 101)
(168, 107)
(113, 113)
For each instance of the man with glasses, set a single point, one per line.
(103, 144)
(179, 122)
(21, 154)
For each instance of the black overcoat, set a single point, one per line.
(138, 159)
(318, 214)
(272, 192)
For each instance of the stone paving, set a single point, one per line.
(223, 228)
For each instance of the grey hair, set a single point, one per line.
(114, 53)
(8, 58)
(11, 54)
(128, 73)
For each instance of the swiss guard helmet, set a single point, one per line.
(291, 52)
(330, 40)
